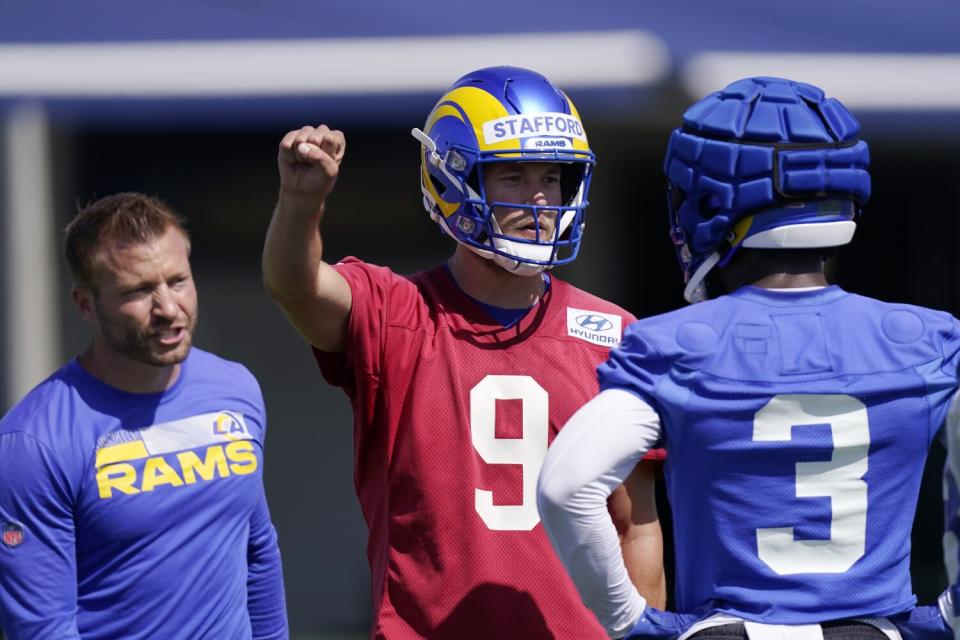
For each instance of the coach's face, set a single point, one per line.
(143, 305)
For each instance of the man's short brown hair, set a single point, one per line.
(122, 217)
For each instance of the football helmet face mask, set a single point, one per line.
(497, 115)
(765, 163)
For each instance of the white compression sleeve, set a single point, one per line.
(951, 544)
(592, 455)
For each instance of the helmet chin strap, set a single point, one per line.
(695, 291)
(518, 268)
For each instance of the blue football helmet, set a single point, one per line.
(495, 115)
(765, 163)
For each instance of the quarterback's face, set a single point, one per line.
(145, 303)
(524, 183)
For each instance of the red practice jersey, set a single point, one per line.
(453, 415)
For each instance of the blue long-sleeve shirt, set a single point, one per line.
(138, 515)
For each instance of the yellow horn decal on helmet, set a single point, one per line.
(447, 209)
(478, 105)
(579, 145)
(740, 230)
(444, 109)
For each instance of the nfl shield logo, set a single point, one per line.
(12, 534)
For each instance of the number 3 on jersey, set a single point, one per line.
(528, 450)
(840, 478)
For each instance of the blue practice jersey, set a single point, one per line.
(797, 425)
(138, 515)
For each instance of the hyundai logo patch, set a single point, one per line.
(600, 328)
(12, 534)
(594, 322)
